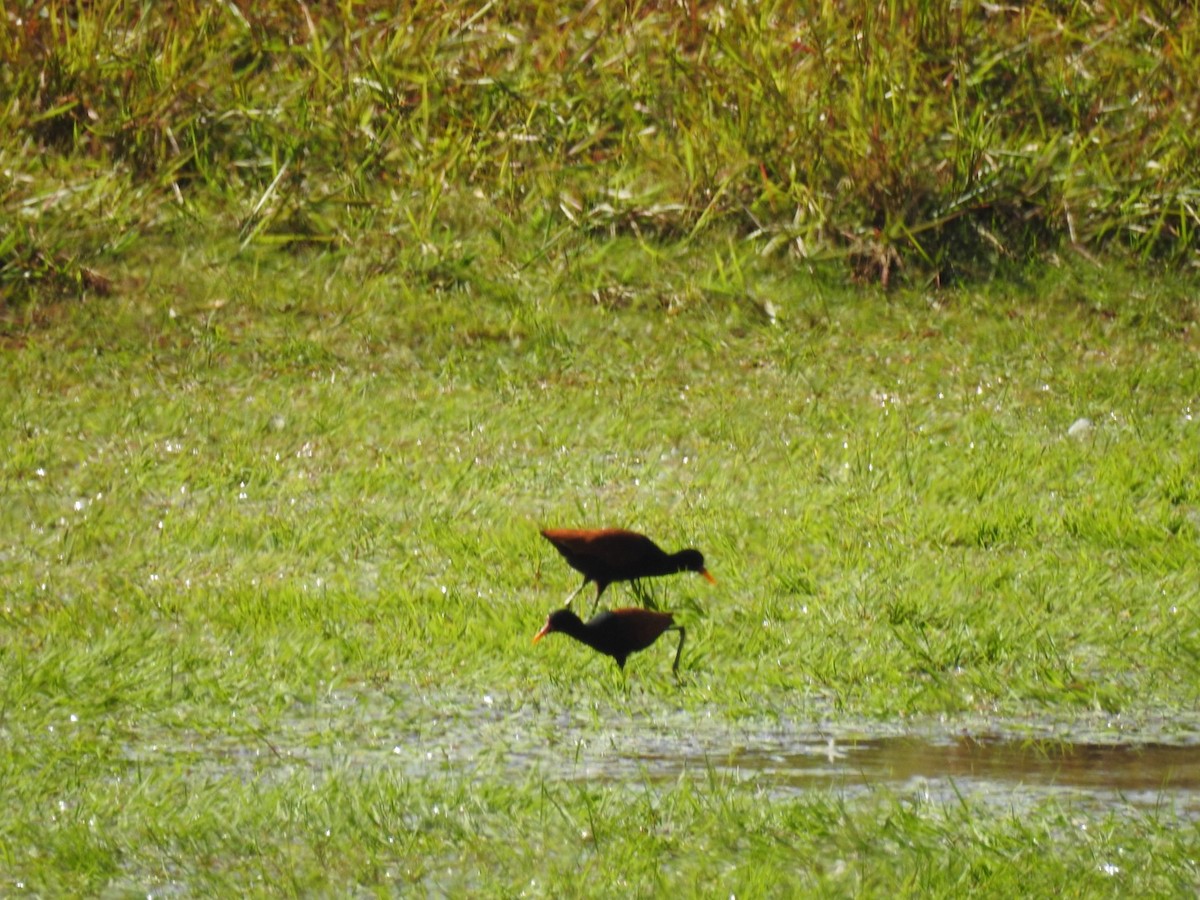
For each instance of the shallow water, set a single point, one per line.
(1113, 764)
(1106, 764)
(1132, 772)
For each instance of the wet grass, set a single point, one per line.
(271, 569)
(344, 830)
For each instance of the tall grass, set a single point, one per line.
(938, 138)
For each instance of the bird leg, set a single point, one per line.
(575, 593)
(682, 636)
(599, 590)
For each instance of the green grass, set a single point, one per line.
(311, 317)
(940, 140)
(272, 569)
(347, 832)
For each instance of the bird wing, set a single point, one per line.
(614, 548)
(637, 628)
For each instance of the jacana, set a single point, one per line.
(606, 555)
(616, 632)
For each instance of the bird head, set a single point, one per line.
(559, 620)
(693, 561)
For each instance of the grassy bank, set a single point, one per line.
(946, 140)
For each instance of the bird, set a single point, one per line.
(606, 555)
(616, 632)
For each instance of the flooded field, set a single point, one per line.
(1137, 773)
(1144, 764)
(997, 764)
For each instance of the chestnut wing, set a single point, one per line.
(614, 553)
(632, 628)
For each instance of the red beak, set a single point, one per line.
(546, 629)
(708, 577)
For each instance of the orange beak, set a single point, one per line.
(541, 634)
(708, 577)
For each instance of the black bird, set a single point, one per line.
(606, 555)
(616, 632)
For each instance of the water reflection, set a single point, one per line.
(502, 736)
(989, 768)
(900, 760)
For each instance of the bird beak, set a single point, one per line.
(541, 634)
(708, 577)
